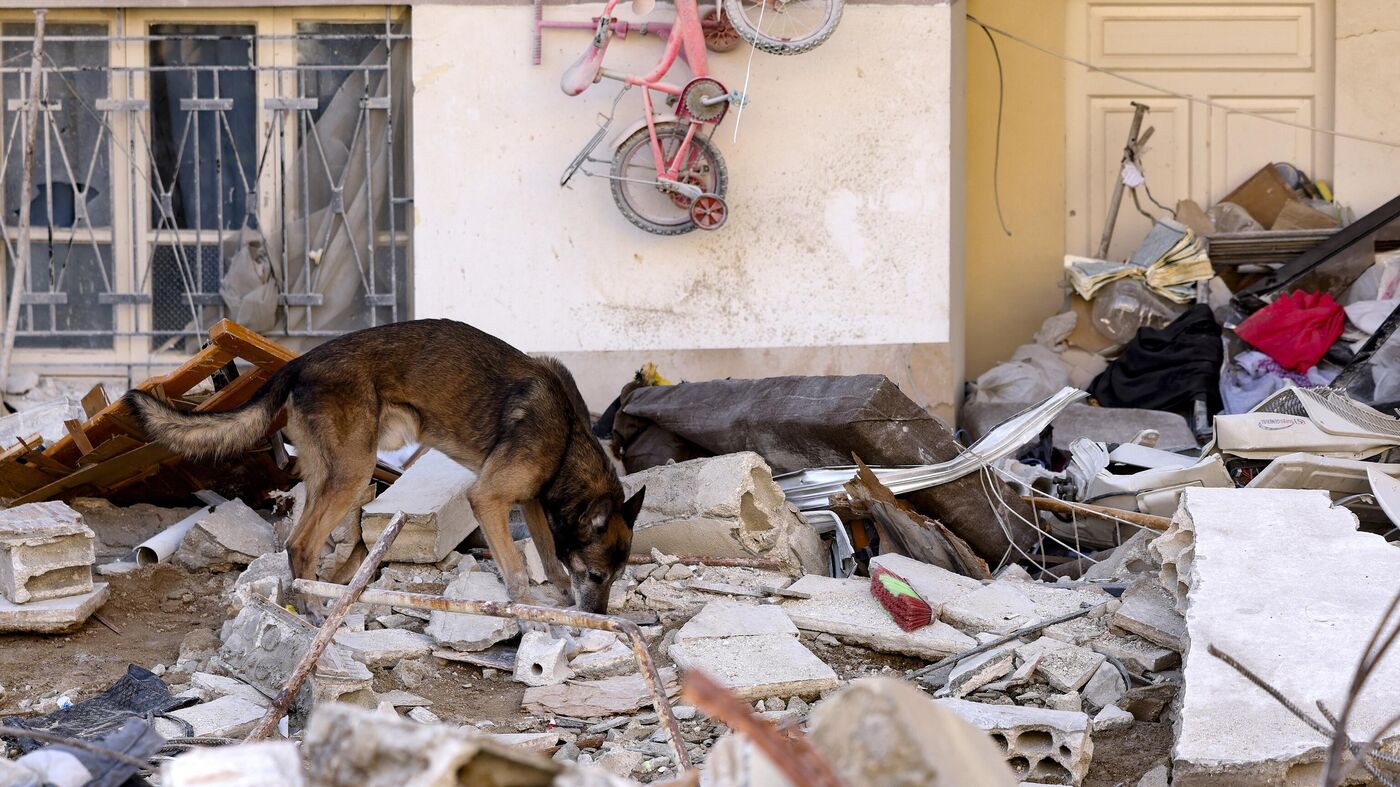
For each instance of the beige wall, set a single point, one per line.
(843, 246)
(1368, 63)
(1012, 283)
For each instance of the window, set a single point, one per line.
(241, 163)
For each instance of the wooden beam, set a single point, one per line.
(75, 431)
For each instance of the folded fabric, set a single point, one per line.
(1251, 376)
(1296, 330)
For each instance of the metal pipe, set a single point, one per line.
(549, 615)
(345, 596)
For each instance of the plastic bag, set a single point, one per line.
(1126, 305)
(1296, 330)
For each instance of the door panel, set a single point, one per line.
(1262, 57)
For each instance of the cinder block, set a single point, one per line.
(1048, 746)
(46, 552)
(432, 494)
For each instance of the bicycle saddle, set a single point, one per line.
(585, 70)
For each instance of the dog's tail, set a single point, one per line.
(213, 435)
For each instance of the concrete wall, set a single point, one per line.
(1368, 62)
(843, 248)
(1013, 281)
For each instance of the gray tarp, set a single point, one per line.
(800, 422)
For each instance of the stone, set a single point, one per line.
(1149, 611)
(411, 672)
(225, 717)
(534, 565)
(46, 552)
(1064, 666)
(403, 699)
(461, 631)
(266, 763)
(352, 747)
(384, 647)
(1011, 603)
(433, 496)
(1041, 745)
(269, 576)
(974, 672)
(1284, 582)
(722, 506)
(263, 644)
(593, 640)
(729, 618)
(1069, 701)
(541, 660)
(621, 762)
(617, 659)
(1137, 654)
(752, 650)
(1127, 560)
(590, 699)
(845, 609)
(1106, 687)
(1157, 777)
(678, 572)
(529, 741)
(422, 715)
(1112, 717)
(54, 616)
(229, 537)
(214, 686)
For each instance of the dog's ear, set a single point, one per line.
(633, 506)
(595, 519)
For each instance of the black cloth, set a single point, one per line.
(137, 693)
(1167, 368)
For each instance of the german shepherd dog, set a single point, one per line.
(519, 422)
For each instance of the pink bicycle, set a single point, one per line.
(667, 176)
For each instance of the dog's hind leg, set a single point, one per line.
(337, 464)
(544, 545)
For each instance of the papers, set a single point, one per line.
(1170, 260)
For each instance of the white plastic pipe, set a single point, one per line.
(159, 547)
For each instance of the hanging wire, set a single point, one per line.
(996, 155)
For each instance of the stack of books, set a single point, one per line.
(1170, 260)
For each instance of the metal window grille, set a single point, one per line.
(209, 171)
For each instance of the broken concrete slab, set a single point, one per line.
(229, 537)
(728, 618)
(541, 660)
(595, 698)
(534, 564)
(723, 506)
(974, 672)
(1137, 654)
(384, 647)
(461, 631)
(269, 576)
(757, 666)
(45, 552)
(845, 609)
(1126, 561)
(225, 717)
(1149, 611)
(1299, 615)
(1064, 666)
(1041, 745)
(432, 494)
(265, 764)
(213, 686)
(616, 659)
(1014, 601)
(263, 644)
(54, 616)
(1106, 687)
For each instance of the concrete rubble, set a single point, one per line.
(433, 495)
(231, 536)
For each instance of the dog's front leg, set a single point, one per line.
(494, 516)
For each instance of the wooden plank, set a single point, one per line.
(235, 393)
(112, 448)
(75, 431)
(248, 345)
(191, 373)
(95, 401)
(103, 474)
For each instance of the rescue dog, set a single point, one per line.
(519, 422)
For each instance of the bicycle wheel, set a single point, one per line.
(634, 186)
(789, 27)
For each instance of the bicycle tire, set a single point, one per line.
(734, 10)
(641, 136)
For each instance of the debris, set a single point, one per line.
(216, 686)
(1106, 687)
(541, 660)
(1112, 718)
(1066, 667)
(1149, 611)
(384, 647)
(269, 576)
(432, 494)
(974, 672)
(1048, 746)
(726, 506)
(46, 553)
(232, 535)
(424, 716)
(752, 651)
(1267, 607)
(471, 632)
(596, 698)
(534, 565)
(616, 659)
(844, 608)
(159, 547)
(905, 531)
(267, 764)
(621, 762)
(225, 717)
(54, 616)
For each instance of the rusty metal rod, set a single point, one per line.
(345, 596)
(792, 754)
(767, 563)
(549, 615)
(1148, 521)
